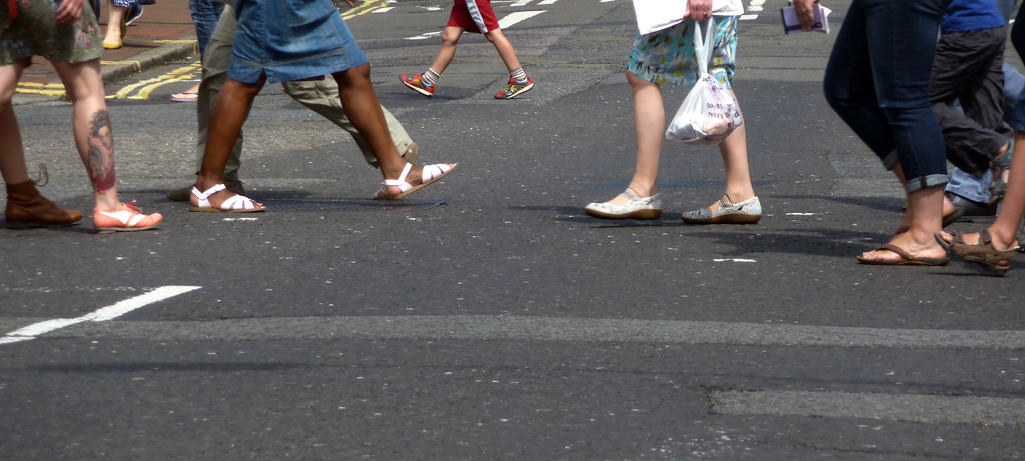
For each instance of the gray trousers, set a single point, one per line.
(968, 67)
(321, 96)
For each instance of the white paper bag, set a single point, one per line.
(655, 15)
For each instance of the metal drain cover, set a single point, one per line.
(365, 204)
(685, 184)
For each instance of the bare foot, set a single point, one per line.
(916, 247)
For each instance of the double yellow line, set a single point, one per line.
(367, 7)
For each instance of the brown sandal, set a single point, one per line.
(984, 253)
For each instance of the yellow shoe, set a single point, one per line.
(112, 46)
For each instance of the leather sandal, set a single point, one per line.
(983, 253)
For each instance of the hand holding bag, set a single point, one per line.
(709, 113)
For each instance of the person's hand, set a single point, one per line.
(805, 10)
(699, 10)
(69, 12)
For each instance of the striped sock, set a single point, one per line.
(431, 77)
(519, 75)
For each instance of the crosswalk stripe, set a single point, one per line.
(485, 327)
(895, 407)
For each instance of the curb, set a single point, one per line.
(114, 73)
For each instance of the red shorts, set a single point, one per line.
(474, 16)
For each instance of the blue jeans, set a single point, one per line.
(877, 81)
(205, 14)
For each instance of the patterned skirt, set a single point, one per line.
(668, 57)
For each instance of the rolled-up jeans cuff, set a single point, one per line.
(921, 182)
(890, 160)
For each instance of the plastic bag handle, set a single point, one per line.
(703, 49)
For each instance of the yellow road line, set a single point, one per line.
(364, 8)
(146, 90)
(170, 77)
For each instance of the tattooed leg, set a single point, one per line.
(100, 164)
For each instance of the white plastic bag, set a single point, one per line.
(709, 113)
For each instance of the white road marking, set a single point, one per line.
(384, 10)
(547, 2)
(896, 407)
(748, 17)
(802, 214)
(107, 313)
(424, 36)
(736, 260)
(503, 327)
(521, 3)
(516, 17)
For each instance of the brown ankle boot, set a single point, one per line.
(26, 207)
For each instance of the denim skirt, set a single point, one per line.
(291, 40)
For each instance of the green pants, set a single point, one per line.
(321, 96)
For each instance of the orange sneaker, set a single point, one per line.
(417, 83)
(124, 219)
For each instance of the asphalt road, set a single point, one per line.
(487, 317)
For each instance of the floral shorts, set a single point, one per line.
(668, 57)
(36, 33)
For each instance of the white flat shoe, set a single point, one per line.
(747, 212)
(636, 208)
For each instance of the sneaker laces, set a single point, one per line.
(131, 207)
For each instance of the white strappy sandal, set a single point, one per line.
(431, 174)
(234, 204)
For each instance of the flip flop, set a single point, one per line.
(185, 96)
(906, 259)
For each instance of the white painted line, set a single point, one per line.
(736, 260)
(931, 409)
(748, 17)
(384, 10)
(241, 219)
(547, 2)
(502, 327)
(521, 3)
(802, 214)
(424, 36)
(430, 8)
(606, 1)
(754, 8)
(757, 2)
(103, 314)
(518, 16)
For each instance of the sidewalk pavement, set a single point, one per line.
(163, 33)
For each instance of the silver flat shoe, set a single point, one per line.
(747, 212)
(636, 208)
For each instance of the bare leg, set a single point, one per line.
(449, 40)
(734, 159)
(364, 111)
(226, 120)
(505, 49)
(93, 135)
(12, 152)
(114, 17)
(649, 125)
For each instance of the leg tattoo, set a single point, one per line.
(101, 153)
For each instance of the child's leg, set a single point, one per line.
(505, 49)
(449, 40)
(649, 124)
(12, 153)
(93, 135)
